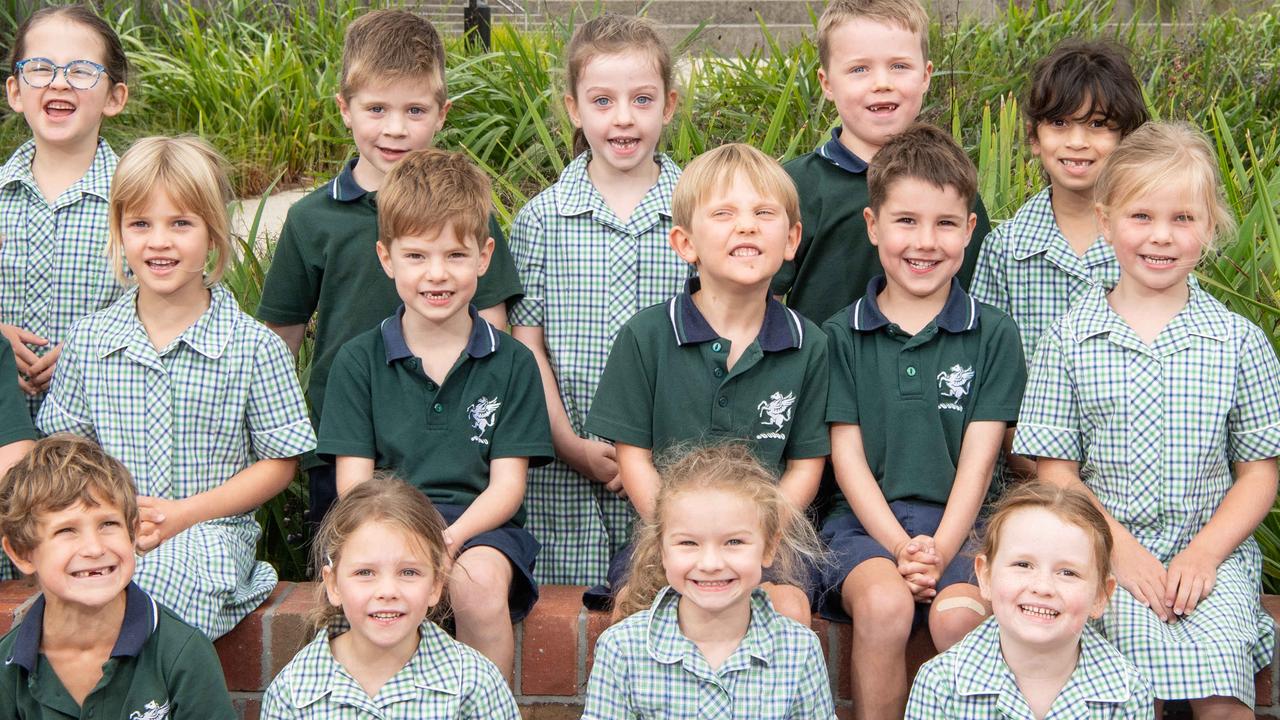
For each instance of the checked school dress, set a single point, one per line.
(184, 419)
(1156, 430)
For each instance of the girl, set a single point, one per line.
(1166, 406)
(198, 400)
(69, 73)
(710, 644)
(1045, 568)
(592, 251)
(384, 563)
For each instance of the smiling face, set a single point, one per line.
(877, 77)
(435, 273)
(621, 105)
(920, 231)
(1073, 150)
(166, 247)
(388, 119)
(1158, 236)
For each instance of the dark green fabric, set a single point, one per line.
(15, 421)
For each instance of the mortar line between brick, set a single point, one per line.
(580, 664)
(518, 670)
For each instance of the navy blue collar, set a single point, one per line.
(344, 187)
(959, 314)
(782, 328)
(840, 156)
(483, 340)
(141, 616)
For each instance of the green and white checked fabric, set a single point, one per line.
(53, 257)
(1028, 269)
(585, 273)
(972, 681)
(444, 680)
(183, 420)
(1156, 430)
(646, 668)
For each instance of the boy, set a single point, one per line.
(722, 360)
(393, 99)
(924, 381)
(93, 644)
(437, 394)
(875, 68)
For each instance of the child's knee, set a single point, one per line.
(954, 614)
(790, 601)
(480, 582)
(882, 609)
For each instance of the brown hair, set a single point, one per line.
(60, 471)
(1078, 72)
(430, 189)
(716, 169)
(925, 153)
(729, 467)
(1160, 154)
(907, 14)
(1069, 504)
(116, 62)
(381, 499)
(392, 45)
(611, 34)
(192, 174)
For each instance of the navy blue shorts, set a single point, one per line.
(850, 546)
(520, 548)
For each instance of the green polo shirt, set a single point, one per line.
(159, 668)
(835, 260)
(437, 437)
(913, 396)
(326, 264)
(15, 421)
(666, 383)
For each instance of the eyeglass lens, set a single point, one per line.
(80, 74)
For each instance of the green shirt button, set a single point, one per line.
(431, 385)
(911, 371)
(718, 372)
(715, 347)
(438, 407)
(722, 401)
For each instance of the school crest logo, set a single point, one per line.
(956, 382)
(484, 414)
(151, 711)
(778, 410)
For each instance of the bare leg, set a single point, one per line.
(1220, 708)
(478, 589)
(956, 610)
(791, 601)
(882, 608)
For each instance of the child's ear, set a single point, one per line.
(330, 586)
(343, 109)
(1104, 597)
(928, 76)
(982, 569)
(1104, 220)
(869, 216)
(116, 98)
(12, 94)
(793, 241)
(682, 243)
(384, 257)
(969, 226)
(20, 562)
(1033, 138)
(669, 110)
(571, 106)
(486, 255)
(825, 83)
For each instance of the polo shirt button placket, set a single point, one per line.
(438, 407)
(718, 372)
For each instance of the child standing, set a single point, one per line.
(384, 559)
(1166, 406)
(924, 381)
(1045, 567)
(700, 638)
(592, 251)
(69, 72)
(198, 400)
(394, 99)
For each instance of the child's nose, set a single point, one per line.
(1077, 135)
(710, 558)
(394, 125)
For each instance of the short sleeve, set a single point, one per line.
(809, 434)
(523, 428)
(932, 690)
(1253, 424)
(842, 396)
(989, 283)
(813, 697)
(276, 701)
(1004, 375)
(622, 410)
(195, 683)
(500, 284)
(291, 290)
(488, 698)
(977, 240)
(1141, 704)
(608, 689)
(66, 407)
(346, 425)
(277, 419)
(528, 249)
(1049, 421)
(15, 419)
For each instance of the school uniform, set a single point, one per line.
(326, 265)
(973, 681)
(53, 258)
(184, 419)
(444, 680)
(835, 259)
(15, 423)
(1156, 429)
(160, 667)
(913, 397)
(586, 272)
(1028, 270)
(646, 668)
(441, 437)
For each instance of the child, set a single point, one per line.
(1083, 101)
(722, 359)
(709, 644)
(1045, 568)
(69, 72)
(383, 556)
(924, 381)
(393, 99)
(1166, 406)
(442, 397)
(93, 644)
(875, 68)
(592, 251)
(200, 402)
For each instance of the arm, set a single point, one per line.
(497, 504)
(800, 480)
(18, 339)
(196, 687)
(291, 334)
(242, 492)
(13, 452)
(350, 471)
(978, 449)
(496, 315)
(639, 477)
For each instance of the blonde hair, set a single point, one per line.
(907, 14)
(1072, 506)
(58, 472)
(1159, 154)
(192, 174)
(729, 467)
(716, 169)
(430, 189)
(392, 45)
(381, 499)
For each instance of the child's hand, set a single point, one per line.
(159, 520)
(1139, 572)
(919, 565)
(41, 371)
(599, 463)
(451, 550)
(1191, 576)
(23, 356)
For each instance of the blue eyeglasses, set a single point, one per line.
(41, 72)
